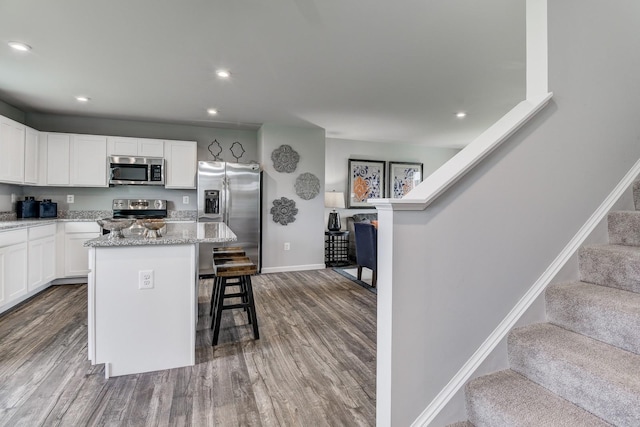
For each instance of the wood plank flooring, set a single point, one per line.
(314, 364)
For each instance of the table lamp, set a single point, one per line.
(334, 199)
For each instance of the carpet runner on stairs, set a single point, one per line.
(582, 368)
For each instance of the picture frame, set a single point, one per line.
(403, 177)
(366, 181)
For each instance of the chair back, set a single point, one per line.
(366, 245)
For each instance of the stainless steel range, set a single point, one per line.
(139, 208)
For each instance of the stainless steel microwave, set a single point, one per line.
(126, 170)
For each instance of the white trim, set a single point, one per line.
(449, 173)
(284, 269)
(467, 370)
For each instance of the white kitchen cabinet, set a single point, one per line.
(142, 147)
(88, 160)
(12, 150)
(31, 156)
(58, 159)
(42, 255)
(13, 265)
(77, 160)
(76, 256)
(181, 163)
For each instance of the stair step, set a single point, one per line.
(624, 228)
(606, 314)
(598, 377)
(616, 266)
(506, 398)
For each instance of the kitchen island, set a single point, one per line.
(143, 298)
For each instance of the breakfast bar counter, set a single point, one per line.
(143, 297)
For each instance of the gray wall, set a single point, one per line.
(460, 266)
(306, 233)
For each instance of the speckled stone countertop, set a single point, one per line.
(9, 220)
(175, 233)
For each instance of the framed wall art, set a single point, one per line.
(366, 181)
(403, 177)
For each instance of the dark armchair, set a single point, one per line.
(366, 249)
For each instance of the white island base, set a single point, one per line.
(142, 307)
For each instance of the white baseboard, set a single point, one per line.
(287, 268)
(467, 370)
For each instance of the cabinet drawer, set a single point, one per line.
(42, 231)
(13, 237)
(82, 227)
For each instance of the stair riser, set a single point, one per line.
(598, 318)
(609, 400)
(607, 268)
(624, 228)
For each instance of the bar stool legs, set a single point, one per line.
(240, 270)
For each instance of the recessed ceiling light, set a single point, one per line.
(20, 46)
(461, 115)
(223, 74)
(212, 111)
(82, 98)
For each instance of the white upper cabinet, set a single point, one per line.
(58, 152)
(12, 150)
(78, 160)
(88, 160)
(31, 156)
(142, 147)
(181, 162)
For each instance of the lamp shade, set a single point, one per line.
(334, 199)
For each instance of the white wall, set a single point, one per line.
(484, 243)
(306, 233)
(339, 151)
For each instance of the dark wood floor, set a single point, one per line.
(314, 364)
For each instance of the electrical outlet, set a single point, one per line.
(145, 279)
(287, 246)
(70, 198)
(185, 200)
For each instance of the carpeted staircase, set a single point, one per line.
(582, 368)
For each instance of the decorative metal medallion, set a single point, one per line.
(236, 147)
(307, 186)
(215, 145)
(285, 159)
(284, 211)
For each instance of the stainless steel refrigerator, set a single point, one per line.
(230, 193)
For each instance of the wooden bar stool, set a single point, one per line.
(240, 269)
(224, 254)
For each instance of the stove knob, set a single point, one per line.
(158, 204)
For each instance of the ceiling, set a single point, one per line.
(365, 70)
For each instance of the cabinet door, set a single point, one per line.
(58, 149)
(31, 156)
(42, 265)
(76, 255)
(12, 149)
(181, 164)
(122, 146)
(89, 160)
(13, 268)
(150, 147)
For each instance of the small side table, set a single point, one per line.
(336, 248)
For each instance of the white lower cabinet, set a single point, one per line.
(76, 255)
(42, 256)
(13, 265)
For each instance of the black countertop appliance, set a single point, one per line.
(48, 209)
(28, 208)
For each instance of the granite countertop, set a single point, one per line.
(175, 233)
(9, 221)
